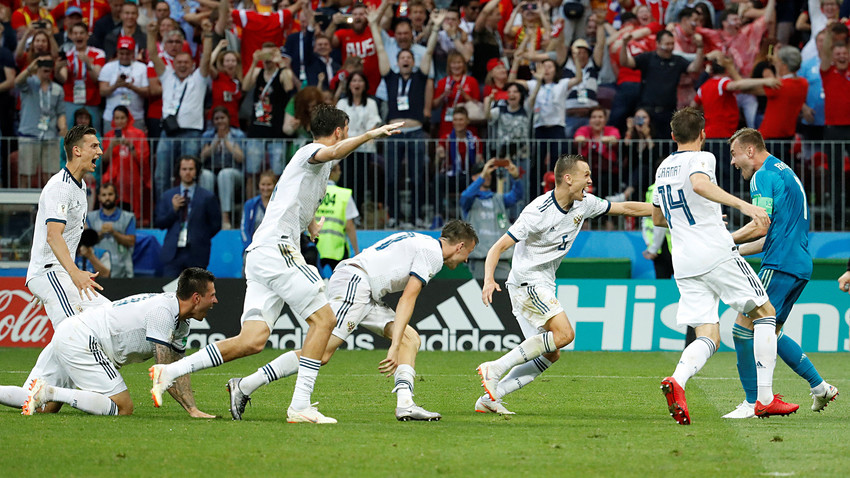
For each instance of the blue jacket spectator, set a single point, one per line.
(192, 217)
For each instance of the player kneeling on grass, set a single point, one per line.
(88, 349)
(403, 262)
(543, 234)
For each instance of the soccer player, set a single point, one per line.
(356, 289)
(785, 268)
(80, 365)
(708, 267)
(543, 234)
(52, 276)
(276, 272)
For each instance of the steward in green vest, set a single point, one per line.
(658, 242)
(339, 211)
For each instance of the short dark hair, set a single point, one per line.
(687, 124)
(749, 136)
(460, 110)
(458, 231)
(107, 185)
(82, 112)
(566, 164)
(661, 34)
(221, 109)
(80, 25)
(724, 15)
(685, 13)
(401, 20)
(193, 158)
(326, 119)
(122, 109)
(74, 137)
(192, 280)
(89, 238)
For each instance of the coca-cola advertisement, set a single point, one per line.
(23, 323)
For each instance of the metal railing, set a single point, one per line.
(406, 183)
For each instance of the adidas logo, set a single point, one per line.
(446, 330)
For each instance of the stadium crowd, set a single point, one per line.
(233, 83)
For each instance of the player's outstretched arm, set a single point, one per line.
(346, 146)
(844, 282)
(503, 244)
(403, 312)
(658, 219)
(751, 248)
(704, 187)
(748, 233)
(84, 280)
(630, 208)
(182, 388)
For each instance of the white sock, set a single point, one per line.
(528, 350)
(521, 375)
(764, 349)
(207, 357)
(89, 402)
(281, 367)
(404, 378)
(693, 359)
(12, 396)
(819, 389)
(308, 370)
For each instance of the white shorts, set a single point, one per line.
(733, 282)
(74, 358)
(533, 306)
(60, 296)
(278, 275)
(351, 300)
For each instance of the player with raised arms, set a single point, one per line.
(276, 272)
(708, 267)
(543, 234)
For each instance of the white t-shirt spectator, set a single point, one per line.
(137, 73)
(191, 112)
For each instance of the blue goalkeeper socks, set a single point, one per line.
(792, 354)
(743, 338)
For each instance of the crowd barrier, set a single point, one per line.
(416, 183)
(608, 315)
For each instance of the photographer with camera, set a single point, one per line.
(42, 122)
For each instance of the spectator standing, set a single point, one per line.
(37, 42)
(322, 66)
(116, 229)
(627, 98)
(457, 152)
(124, 82)
(455, 90)
(107, 23)
(90, 11)
(273, 85)
(357, 41)
(641, 151)
(191, 216)
(487, 212)
(80, 75)
(451, 38)
(812, 125)
(785, 102)
(226, 73)
(660, 73)
(129, 28)
(73, 16)
(510, 122)
(834, 72)
(581, 97)
(32, 12)
(183, 90)
(259, 28)
(42, 122)
(405, 96)
(486, 40)
(223, 157)
(7, 101)
(126, 162)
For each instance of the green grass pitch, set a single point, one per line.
(591, 414)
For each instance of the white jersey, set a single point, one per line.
(700, 239)
(391, 262)
(295, 199)
(62, 200)
(128, 329)
(545, 233)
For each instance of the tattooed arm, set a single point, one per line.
(181, 390)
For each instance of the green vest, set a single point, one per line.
(332, 240)
(649, 227)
